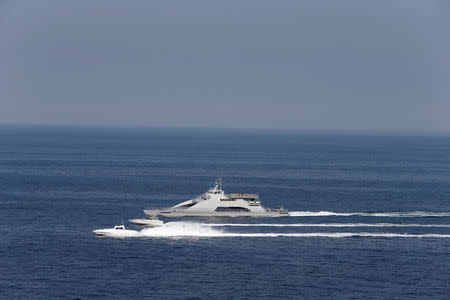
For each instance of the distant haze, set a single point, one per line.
(357, 65)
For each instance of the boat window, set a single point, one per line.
(232, 209)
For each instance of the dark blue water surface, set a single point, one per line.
(58, 184)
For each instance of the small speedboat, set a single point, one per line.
(117, 231)
(149, 222)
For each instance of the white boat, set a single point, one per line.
(216, 203)
(148, 222)
(117, 231)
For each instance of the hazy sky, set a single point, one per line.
(382, 65)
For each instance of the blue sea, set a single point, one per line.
(370, 214)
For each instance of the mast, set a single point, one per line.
(220, 183)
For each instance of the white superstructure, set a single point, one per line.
(215, 203)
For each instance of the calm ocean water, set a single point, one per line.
(371, 214)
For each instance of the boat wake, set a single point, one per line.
(338, 235)
(200, 230)
(333, 225)
(181, 229)
(412, 214)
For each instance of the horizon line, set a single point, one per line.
(276, 129)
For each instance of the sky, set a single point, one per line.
(320, 65)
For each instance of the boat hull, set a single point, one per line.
(224, 214)
(115, 233)
(147, 222)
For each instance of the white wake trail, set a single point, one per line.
(338, 235)
(330, 225)
(191, 229)
(181, 229)
(411, 214)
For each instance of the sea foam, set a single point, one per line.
(330, 225)
(181, 229)
(193, 229)
(411, 214)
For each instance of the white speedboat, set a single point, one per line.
(215, 203)
(117, 231)
(148, 222)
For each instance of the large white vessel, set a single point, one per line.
(215, 203)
